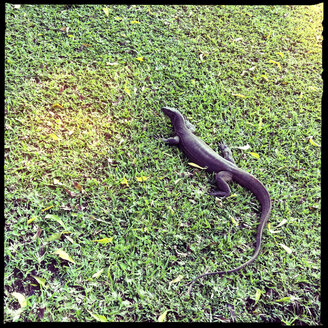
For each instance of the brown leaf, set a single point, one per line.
(115, 103)
(77, 186)
(38, 233)
(66, 207)
(70, 194)
(41, 313)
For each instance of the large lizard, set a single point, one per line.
(225, 170)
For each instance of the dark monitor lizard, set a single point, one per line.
(225, 170)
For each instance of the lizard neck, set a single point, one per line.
(179, 124)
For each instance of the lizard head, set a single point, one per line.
(172, 113)
(177, 119)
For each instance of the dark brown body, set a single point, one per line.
(200, 153)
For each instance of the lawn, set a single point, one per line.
(103, 221)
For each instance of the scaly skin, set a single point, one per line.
(225, 168)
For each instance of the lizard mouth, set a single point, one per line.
(168, 111)
(165, 109)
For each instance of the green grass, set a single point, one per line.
(82, 109)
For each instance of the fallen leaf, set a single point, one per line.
(62, 254)
(257, 295)
(115, 103)
(272, 231)
(124, 182)
(104, 241)
(66, 207)
(53, 136)
(232, 195)
(140, 59)
(276, 63)
(40, 280)
(284, 221)
(31, 220)
(48, 208)
(218, 201)
(69, 193)
(142, 178)
(135, 22)
(20, 298)
(127, 91)
(162, 317)
(55, 236)
(177, 181)
(41, 313)
(77, 186)
(177, 279)
(313, 143)
(98, 274)
(265, 77)
(286, 248)
(106, 11)
(246, 147)
(234, 221)
(69, 238)
(260, 123)
(255, 155)
(98, 317)
(267, 36)
(56, 218)
(64, 29)
(197, 166)
(57, 106)
(57, 182)
(284, 299)
(280, 54)
(238, 95)
(38, 233)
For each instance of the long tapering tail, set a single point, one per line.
(266, 209)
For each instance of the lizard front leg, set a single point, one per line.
(172, 141)
(226, 152)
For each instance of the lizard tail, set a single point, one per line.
(266, 209)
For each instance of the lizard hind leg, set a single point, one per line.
(221, 179)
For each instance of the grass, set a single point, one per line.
(83, 92)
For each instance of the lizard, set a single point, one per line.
(225, 170)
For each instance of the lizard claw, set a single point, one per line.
(222, 145)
